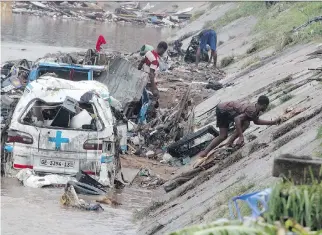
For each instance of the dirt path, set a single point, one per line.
(163, 170)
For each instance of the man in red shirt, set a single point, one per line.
(241, 114)
(100, 41)
(151, 60)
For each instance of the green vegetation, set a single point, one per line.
(243, 9)
(255, 47)
(227, 61)
(229, 228)
(285, 98)
(270, 107)
(279, 20)
(251, 61)
(208, 24)
(319, 137)
(232, 191)
(275, 24)
(197, 14)
(303, 203)
(291, 208)
(213, 4)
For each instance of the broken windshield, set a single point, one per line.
(68, 74)
(67, 115)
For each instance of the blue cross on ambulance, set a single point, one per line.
(61, 127)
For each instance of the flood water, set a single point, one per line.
(24, 30)
(38, 211)
(32, 211)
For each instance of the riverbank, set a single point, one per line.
(282, 73)
(147, 14)
(14, 51)
(279, 70)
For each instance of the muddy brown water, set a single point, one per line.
(38, 211)
(24, 29)
(32, 211)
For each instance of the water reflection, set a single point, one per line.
(83, 34)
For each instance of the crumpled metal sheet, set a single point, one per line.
(124, 81)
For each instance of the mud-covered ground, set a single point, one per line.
(283, 76)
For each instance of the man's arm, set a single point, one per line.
(265, 122)
(239, 123)
(153, 84)
(152, 76)
(141, 64)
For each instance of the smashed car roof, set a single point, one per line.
(53, 90)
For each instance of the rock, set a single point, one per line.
(297, 168)
(214, 85)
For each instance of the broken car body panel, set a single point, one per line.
(53, 149)
(124, 81)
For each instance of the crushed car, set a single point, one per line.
(62, 127)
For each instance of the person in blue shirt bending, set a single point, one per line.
(207, 37)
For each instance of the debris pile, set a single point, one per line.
(66, 10)
(126, 12)
(143, 128)
(70, 198)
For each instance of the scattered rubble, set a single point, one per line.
(148, 136)
(70, 198)
(132, 13)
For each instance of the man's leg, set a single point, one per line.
(214, 55)
(212, 42)
(234, 136)
(223, 133)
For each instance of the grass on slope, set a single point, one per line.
(196, 15)
(275, 23)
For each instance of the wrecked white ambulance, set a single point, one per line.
(62, 127)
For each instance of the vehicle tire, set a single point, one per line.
(85, 189)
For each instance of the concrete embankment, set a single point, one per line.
(283, 75)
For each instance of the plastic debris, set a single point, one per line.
(70, 198)
(166, 158)
(29, 179)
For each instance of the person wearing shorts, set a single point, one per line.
(241, 114)
(151, 60)
(207, 37)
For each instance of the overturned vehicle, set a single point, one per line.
(63, 127)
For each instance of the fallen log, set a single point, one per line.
(184, 177)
